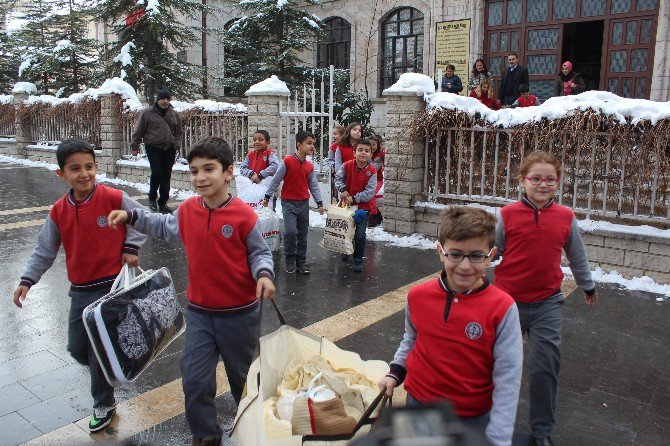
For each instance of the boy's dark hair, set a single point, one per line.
(303, 135)
(212, 148)
(463, 222)
(363, 142)
(265, 134)
(450, 66)
(71, 146)
(523, 88)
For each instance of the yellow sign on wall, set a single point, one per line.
(452, 46)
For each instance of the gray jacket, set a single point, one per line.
(158, 131)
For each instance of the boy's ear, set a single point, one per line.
(494, 251)
(60, 173)
(439, 250)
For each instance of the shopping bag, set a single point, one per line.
(250, 192)
(131, 325)
(268, 223)
(277, 350)
(340, 229)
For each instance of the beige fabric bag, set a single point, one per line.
(339, 232)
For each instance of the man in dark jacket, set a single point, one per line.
(514, 76)
(160, 128)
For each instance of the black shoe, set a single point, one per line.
(153, 205)
(532, 441)
(207, 441)
(165, 209)
(101, 418)
(290, 266)
(345, 257)
(303, 268)
(358, 266)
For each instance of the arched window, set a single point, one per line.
(335, 46)
(402, 45)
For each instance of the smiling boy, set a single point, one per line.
(230, 268)
(462, 339)
(78, 222)
(262, 162)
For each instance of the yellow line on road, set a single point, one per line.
(44, 208)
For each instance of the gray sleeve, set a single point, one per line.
(338, 160)
(331, 158)
(314, 188)
(340, 179)
(244, 168)
(259, 255)
(500, 238)
(276, 179)
(369, 192)
(44, 254)
(576, 254)
(407, 343)
(134, 239)
(507, 366)
(138, 132)
(377, 162)
(162, 226)
(272, 168)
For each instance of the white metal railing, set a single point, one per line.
(604, 174)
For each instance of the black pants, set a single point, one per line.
(161, 162)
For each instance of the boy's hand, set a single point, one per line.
(255, 178)
(265, 288)
(344, 195)
(20, 294)
(387, 383)
(132, 260)
(321, 210)
(264, 202)
(349, 199)
(592, 299)
(116, 218)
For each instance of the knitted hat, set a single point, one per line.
(163, 93)
(323, 418)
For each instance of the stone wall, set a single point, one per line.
(140, 174)
(41, 153)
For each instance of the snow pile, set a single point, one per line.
(118, 86)
(209, 106)
(412, 83)
(270, 86)
(124, 56)
(24, 87)
(643, 283)
(6, 98)
(588, 225)
(603, 102)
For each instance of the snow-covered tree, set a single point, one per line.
(149, 37)
(9, 61)
(267, 41)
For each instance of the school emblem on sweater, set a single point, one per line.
(227, 231)
(265, 158)
(368, 173)
(102, 221)
(474, 330)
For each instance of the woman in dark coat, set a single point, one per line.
(568, 82)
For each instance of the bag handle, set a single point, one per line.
(280, 316)
(126, 276)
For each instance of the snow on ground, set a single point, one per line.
(271, 85)
(377, 234)
(557, 107)
(6, 98)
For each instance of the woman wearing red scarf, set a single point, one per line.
(568, 82)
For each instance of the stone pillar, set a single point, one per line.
(21, 132)
(403, 174)
(111, 133)
(660, 79)
(263, 110)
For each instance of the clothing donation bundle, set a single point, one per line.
(129, 327)
(340, 229)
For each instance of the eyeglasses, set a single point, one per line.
(458, 257)
(536, 181)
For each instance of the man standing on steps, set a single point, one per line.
(160, 128)
(512, 78)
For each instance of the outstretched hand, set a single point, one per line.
(116, 218)
(591, 300)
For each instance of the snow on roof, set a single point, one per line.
(271, 86)
(24, 87)
(411, 84)
(558, 107)
(209, 106)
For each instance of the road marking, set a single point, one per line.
(162, 403)
(46, 208)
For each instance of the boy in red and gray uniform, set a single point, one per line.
(261, 162)
(357, 182)
(462, 339)
(229, 269)
(94, 255)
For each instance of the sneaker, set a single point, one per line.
(358, 266)
(165, 209)
(345, 257)
(290, 266)
(153, 205)
(303, 269)
(207, 441)
(101, 418)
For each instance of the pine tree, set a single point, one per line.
(156, 31)
(267, 41)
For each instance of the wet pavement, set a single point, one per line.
(615, 378)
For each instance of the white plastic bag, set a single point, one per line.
(250, 192)
(268, 223)
(340, 229)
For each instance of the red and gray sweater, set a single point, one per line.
(465, 348)
(264, 164)
(92, 250)
(299, 180)
(343, 153)
(359, 182)
(225, 251)
(531, 241)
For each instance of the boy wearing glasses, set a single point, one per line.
(462, 339)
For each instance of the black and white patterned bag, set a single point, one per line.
(131, 325)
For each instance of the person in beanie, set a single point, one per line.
(160, 128)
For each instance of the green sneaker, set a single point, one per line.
(101, 418)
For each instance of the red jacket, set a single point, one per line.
(531, 267)
(218, 237)
(356, 180)
(453, 359)
(259, 161)
(296, 179)
(92, 250)
(493, 104)
(528, 101)
(346, 152)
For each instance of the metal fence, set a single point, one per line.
(231, 126)
(7, 128)
(604, 174)
(49, 124)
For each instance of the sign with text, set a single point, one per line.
(452, 46)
